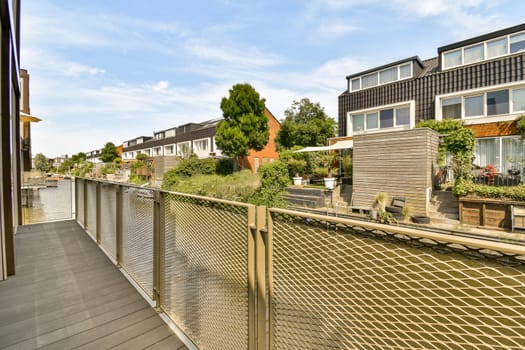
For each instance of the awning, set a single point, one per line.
(344, 144)
(29, 118)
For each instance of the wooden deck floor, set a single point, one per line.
(66, 294)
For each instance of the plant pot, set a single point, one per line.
(373, 214)
(329, 183)
(297, 180)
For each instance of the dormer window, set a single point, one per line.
(484, 50)
(381, 77)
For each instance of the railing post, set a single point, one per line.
(269, 268)
(260, 258)
(119, 222)
(98, 234)
(76, 198)
(252, 283)
(158, 244)
(85, 203)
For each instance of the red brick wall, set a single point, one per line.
(268, 152)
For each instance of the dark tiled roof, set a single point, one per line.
(431, 66)
(410, 59)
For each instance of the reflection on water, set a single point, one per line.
(41, 204)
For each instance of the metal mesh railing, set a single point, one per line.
(205, 281)
(79, 188)
(137, 236)
(91, 219)
(345, 286)
(108, 218)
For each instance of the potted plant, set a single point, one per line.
(327, 162)
(297, 180)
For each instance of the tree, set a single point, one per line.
(109, 153)
(245, 126)
(306, 124)
(42, 163)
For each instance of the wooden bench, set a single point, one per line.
(517, 217)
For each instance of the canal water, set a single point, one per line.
(42, 204)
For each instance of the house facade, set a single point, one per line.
(480, 81)
(199, 139)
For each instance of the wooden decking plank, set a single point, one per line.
(68, 294)
(170, 343)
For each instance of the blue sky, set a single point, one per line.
(114, 70)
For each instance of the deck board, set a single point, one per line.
(67, 294)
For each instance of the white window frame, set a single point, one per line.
(378, 73)
(412, 110)
(485, 57)
(169, 153)
(179, 151)
(482, 91)
(198, 150)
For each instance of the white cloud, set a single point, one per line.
(76, 69)
(334, 30)
(249, 56)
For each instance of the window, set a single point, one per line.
(402, 116)
(356, 84)
(451, 108)
(369, 80)
(358, 123)
(395, 73)
(386, 118)
(405, 71)
(501, 46)
(452, 58)
(200, 145)
(504, 153)
(168, 149)
(497, 47)
(518, 100)
(473, 54)
(497, 102)
(372, 120)
(474, 106)
(388, 75)
(183, 148)
(517, 43)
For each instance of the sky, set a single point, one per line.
(112, 70)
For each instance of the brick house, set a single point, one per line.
(480, 81)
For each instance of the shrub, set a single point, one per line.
(274, 179)
(468, 188)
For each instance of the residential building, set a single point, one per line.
(94, 156)
(199, 139)
(269, 153)
(480, 81)
(25, 121)
(10, 176)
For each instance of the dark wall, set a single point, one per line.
(424, 89)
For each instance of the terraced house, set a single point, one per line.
(480, 80)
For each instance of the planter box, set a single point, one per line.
(486, 212)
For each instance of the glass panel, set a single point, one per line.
(452, 58)
(497, 48)
(486, 152)
(451, 108)
(372, 120)
(497, 102)
(513, 149)
(474, 106)
(402, 116)
(356, 84)
(388, 75)
(405, 71)
(517, 43)
(369, 80)
(358, 123)
(474, 54)
(518, 100)
(386, 118)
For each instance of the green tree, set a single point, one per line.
(42, 163)
(141, 156)
(109, 153)
(78, 158)
(245, 126)
(306, 124)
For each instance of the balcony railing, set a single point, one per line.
(234, 276)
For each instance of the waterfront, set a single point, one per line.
(49, 203)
